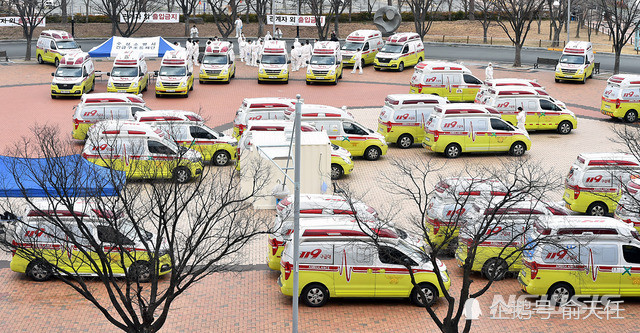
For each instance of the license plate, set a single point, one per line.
(65, 91)
(426, 139)
(171, 90)
(273, 77)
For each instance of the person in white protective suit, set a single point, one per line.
(268, 36)
(242, 44)
(306, 53)
(295, 59)
(247, 52)
(188, 46)
(296, 43)
(255, 53)
(357, 58)
(521, 118)
(488, 72)
(196, 52)
(238, 27)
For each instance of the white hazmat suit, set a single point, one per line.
(357, 58)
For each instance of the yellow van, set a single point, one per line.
(74, 76)
(446, 79)
(369, 42)
(585, 256)
(454, 129)
(403, 117)
(594, 183)
(628, 210)
(52, 45)
(499, 250)
(621, 97)
(341, 263)
(175, 76)
(37, 230)
(142, 151)
(402, 49)
(576, 63)
(218, 63)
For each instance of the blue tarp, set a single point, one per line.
(67, 176)
(151, 47)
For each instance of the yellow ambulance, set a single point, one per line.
(581, 255)
(369, 42)
(628, 209)
(325, 64)
(454, 129)
(175, 76)
(218, 63)
(52, 45)
(74, 76)
(403, 117)
(594, 182)
(129, 73)
(446, 79)
(340, 262)
(402, 50)
(97, 107)
(621, 97)
(260, 108)
(142, 151)
(576, 63)
(274, 62)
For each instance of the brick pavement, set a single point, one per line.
(251, 301)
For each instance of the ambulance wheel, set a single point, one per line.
(158, 95)
(405, 141)
(93, 85)
(377, 68)
(517, 149)
(40, 61)
(584, 80)
(335, 82)
(401, 67)
(233, 75)
(452, 150)
(54, 96)
(597, 209)
(146, 86)
(191, 88)
(315, 295)
(557, 80)
(308, 82)
(220, 158)
(56, 62)
(372, 153)
(565, 127)
(340, 77)
(186, 94)
(39, 270)
(336, 171)
(495, 269)
(631, 116)
(225, 82)
(419, 59)
(430, 293)
(181, 175)
(560, 293)
(201, 82)
(140, 271)
(259, 82)
(362, 63)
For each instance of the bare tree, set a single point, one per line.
(31, 13)
(518, 181)
(628, 209)
(146, 245)
(130, 10)
(331, 10)
(225, 13)
(188, 7)
(260, 8)
(515, 18)
(486, 8)
(423, 14)
(622, 18)
(557, 19)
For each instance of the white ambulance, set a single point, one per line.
(446, 79)
(343, 130)
(403, 117)
(543, 112)
(74, 76)
(52, 45)
(218, 63)
(260, 108)
(595, 180)
(187, 129)
(129, 73)
(104, 106)
(621, 97)
(369, 42)
(274, 62)
(325, 64)
(176, 74)
(576, 62)
(402, 49)
(628, 209)
(346, 263)
(498, 83)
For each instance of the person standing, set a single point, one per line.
(278, 33)
(196, 52)
(334, 37)
(255, 52)
(488, 72)
(521, 118)
(242, 44)
(194, 32)
(296, 43)
(306, 53)
(295, 59)
(357, 58)
(267, 37)
(238, 27)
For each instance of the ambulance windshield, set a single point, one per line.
(351, 46)
(67, 44)
(392, 48)
(270, 59)
(124, 71)
(173, 71)
(69, 72)
(572, 59)
(218, 59)
(323, 60)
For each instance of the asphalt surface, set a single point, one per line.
(482, 53)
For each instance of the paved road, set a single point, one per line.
(481, 53)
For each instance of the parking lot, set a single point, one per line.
(249, 300)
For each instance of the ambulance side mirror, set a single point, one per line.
(108, 73)
(155, 73)
(189, 74)
(258, 61)
(307, 62)
(53, 74)
(289, 61)
(141, 74)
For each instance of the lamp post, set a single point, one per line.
(557, 4)
(297, 25)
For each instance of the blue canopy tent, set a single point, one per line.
(66, 176)
(151, 47)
